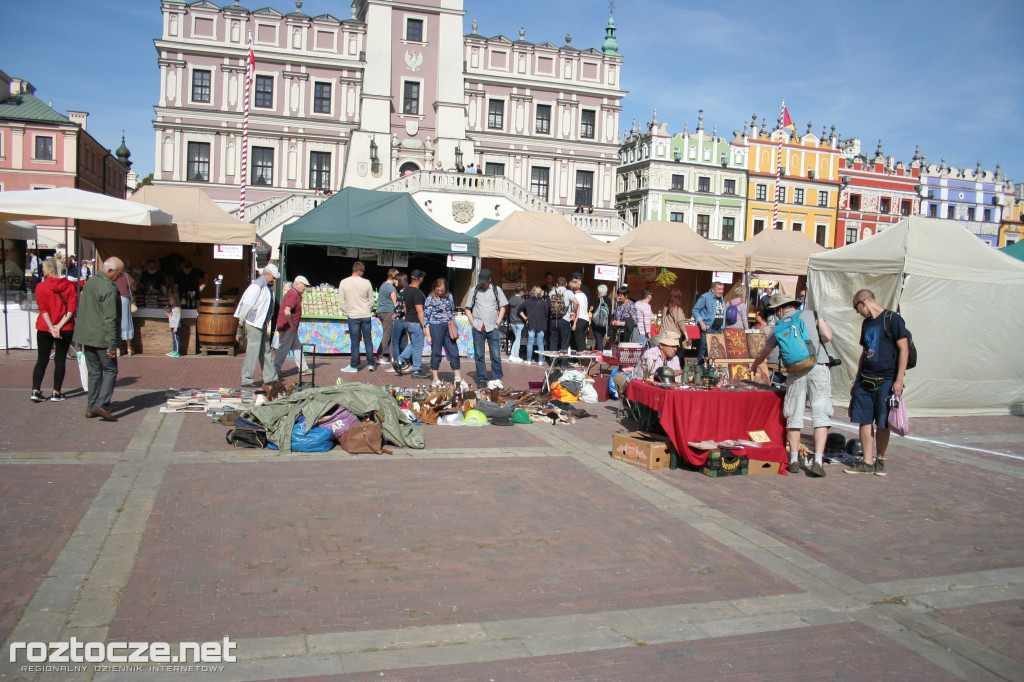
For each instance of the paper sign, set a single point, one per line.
(460, 262)
(608, 273)
(228, 251)
(367, 254)
(724, 277)
(461, 248)
(385, 257)
(759, 436)
(400, 259)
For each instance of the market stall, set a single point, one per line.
(203, 234)
(17, 306)
(366, 225)
(779, 256)
(693, 415)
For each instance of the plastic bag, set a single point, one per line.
(83, 371)
(317, 439)
(588, 394)
(339, 421)
(899, 422)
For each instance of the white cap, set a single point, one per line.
(301, 280)
(272, 269)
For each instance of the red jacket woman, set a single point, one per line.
(58, 300)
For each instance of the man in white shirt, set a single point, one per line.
(254, 312)
(355, 296)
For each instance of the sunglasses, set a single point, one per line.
(856, 306)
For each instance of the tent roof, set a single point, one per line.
(77, 204)
(1015, 250)
(778, 252)
(924, 246)
(373, 219)
(197, 219)
(17, 229)
(482, 226)
(545, 237)
(666, 244)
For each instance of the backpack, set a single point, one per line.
(795, 347)
(600, 318)
(558, 305)
(889, 334)
(732, 313)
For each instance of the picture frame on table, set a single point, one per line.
(740, 371)
(736, 344)
(716, 347)
(755, 343)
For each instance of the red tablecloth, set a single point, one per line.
(692, 331)
(717, 415)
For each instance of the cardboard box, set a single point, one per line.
(644, 450)
(724, 463)
(760, 466)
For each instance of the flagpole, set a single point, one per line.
(250, 63)
(778, 176)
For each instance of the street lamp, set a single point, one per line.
(458, 156)
(374, 159)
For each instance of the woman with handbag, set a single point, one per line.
(58, 301)
(124, 288)
(441, 329)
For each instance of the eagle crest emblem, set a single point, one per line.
(462, 211)
(414, 60)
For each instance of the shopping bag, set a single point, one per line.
(83, 371)
(899, 423)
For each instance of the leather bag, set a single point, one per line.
(366, 437)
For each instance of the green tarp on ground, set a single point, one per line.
(371, 219)
(1015, 250)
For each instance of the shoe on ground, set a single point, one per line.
(391, 368)
(37, 397)
(436, 383)
(349, 368)
(371, 368)
(515, 359)
(103, 414)
(57, 397)
(396, 367)
(420, 375)
(879, 467)
(817, 470)
(793, 467)
(174, 354)
(248, 384)
(861, 468)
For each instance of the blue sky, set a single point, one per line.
(944, 75)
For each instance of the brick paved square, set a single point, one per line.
(928, 517)
(33, 534)
(999, 626)
(251, 550)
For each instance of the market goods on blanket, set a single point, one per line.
(721, 464)
(644, 450)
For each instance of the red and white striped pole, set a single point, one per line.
(778, 177)
(250, 67)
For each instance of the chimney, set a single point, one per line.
(79, 118)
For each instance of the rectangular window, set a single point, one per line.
(851, 235)
(198, 162)
(798, 227)
(951, 212)
(730, 187)
(798, 196)
(544, 119)
(885, 205)
(676, 218)
(539, 182)
(588, 118)
(988, 215)
(322, 98)
(933, 211)
(703, 184)
(822, 198)
(758, 226)
(704, 225)
(264, 92)
(854, 202)
(821, 234)
(494, 169)
(761, 192)
(201, 86)
(319, 170)
(585, 188)
(778, 224)
(44, 148)
(496, 114)
(262, 166)
(411, 98)
(414, 30)
(678, 182)
(904, 208)
(728, 229)
(970, 213)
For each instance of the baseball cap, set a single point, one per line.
(272, 269)
(301, 280)
(577, 275)
(484, 276)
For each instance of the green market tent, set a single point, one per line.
(1015, 250)
(371, 219)
(482, 226)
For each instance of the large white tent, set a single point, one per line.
(962, 300)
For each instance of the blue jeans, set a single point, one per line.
(493, 338)
(175, 341)
(534, 336)
(361, 327)
(399, 340)
(439, 339)
(517, 329)
(413, 353)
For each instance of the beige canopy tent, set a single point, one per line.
(197, 220)
(546, 237)
(674, 245)
(777, 252)
(962, 300)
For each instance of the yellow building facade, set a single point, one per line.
(810, 184)
(1011, 230)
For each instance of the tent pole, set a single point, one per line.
(7, 336)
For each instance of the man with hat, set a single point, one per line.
(254, 312)
(664, 353)
(288, 319)
(814, 383)
(485, 307)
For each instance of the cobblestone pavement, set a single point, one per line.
(498, 553)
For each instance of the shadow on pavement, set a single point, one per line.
(138, 403)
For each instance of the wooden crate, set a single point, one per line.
(644, 450)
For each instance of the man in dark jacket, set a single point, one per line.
(97, 329)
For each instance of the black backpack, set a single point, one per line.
(911, 348)
(558, 305)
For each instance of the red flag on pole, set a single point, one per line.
(787, 122)
(250, 63)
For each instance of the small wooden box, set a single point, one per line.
(644, 450)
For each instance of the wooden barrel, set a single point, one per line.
(216, 324)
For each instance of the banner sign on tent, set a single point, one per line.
(228, 251)
(460, 262)
(367, 254)
(460, 248)
(342, 252)
(608, 273)
(385, 258)
(724, 277)
(400, 259)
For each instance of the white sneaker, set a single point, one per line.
(436, 383)
(515, 359)
(349, 368)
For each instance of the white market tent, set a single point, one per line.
(665, 244)
(77, 204)
(543, 237)
(962, 300)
